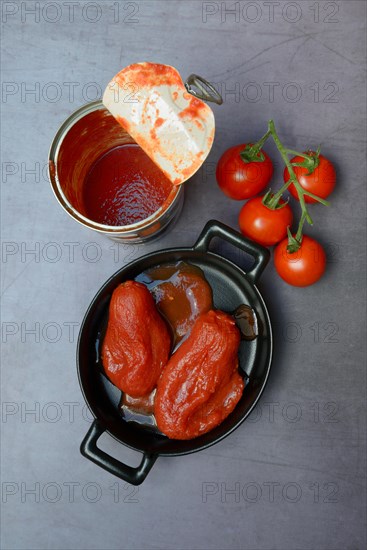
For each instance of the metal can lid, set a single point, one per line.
(174, 127)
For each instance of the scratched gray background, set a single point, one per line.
(297, 465)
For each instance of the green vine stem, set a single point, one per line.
(272, 200)
(253, 152)
(296, 153)
(258, 145)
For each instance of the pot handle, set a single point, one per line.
(89, 449)
(217, 229)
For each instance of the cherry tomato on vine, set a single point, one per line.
(320, 182)
(301, 268)
(262, 224)
(239, 179)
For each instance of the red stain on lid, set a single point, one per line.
(159, 122)
(194, 110)
(150, 75)
(153, 135)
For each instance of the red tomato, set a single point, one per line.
(263, 225)
(241, 180)
(301, 268)
(321, 182)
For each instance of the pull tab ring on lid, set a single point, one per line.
(198, 81)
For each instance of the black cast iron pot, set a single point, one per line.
(231, 287)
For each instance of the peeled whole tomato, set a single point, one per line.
(200, 385)
(137, 343)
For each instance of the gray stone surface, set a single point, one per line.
(297, 465)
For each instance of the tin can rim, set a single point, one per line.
(68, 123)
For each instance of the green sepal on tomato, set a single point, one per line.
(264, 225)
(243, 171)
(315, 174)
(303, 267)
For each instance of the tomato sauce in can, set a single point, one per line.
(124, 186)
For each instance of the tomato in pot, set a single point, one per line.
(200, 385)
(137, 343)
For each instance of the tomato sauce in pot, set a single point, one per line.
(181, 293)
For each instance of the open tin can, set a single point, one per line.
(169, 111)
